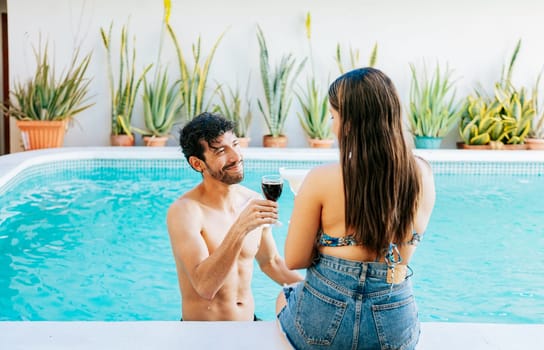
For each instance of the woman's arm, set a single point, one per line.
(427, 198)
(305, 221)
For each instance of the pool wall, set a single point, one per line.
(443, 161)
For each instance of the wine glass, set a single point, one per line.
(272, 186)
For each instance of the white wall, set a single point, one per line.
(474, 37)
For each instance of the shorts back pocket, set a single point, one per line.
(397, 324)
(318, 316)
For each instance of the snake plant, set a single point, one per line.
(123, 92)
(193, 82)
(278, 87)
(354, 57)
(314, 118)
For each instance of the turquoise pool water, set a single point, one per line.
(87, 240)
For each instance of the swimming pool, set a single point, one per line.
(110, 258)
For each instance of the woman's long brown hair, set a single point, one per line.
(381, 180)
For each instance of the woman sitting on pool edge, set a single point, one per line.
(355, 226)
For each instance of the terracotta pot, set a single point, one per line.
(122, 140)
(462, 145)
(317, 143)
(276, 142)
(155, 141)
(244, 141)
(37, 134)
(514, 147)
(535, 144)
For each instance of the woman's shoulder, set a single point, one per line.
(424, 166)
(321, 177)
(325, 172)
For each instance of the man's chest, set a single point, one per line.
(217, 226)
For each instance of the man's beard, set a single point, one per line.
(225, 177)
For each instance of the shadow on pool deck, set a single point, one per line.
(241, 335)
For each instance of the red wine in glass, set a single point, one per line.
(272, 186)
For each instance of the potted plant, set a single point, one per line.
(44, 104)
(161, 101)
(481, 125)
(517, 112)
(123, 92)
(432, 111)
(162, 104)
(314, 118)
(230, 107)
(278, 91)
(501, 121)
(193, 85)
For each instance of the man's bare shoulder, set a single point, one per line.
(186, 205)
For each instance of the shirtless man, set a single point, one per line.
(217, 228)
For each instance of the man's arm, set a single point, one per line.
(207, 272)
(271, 262)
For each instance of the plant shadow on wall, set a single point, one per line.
(124, 90)
(500, 121)
(433, 110)
(277, 84)
(45, 104)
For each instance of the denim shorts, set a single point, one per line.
(344, 304)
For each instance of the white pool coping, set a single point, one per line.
(12, 164)
(241, 335)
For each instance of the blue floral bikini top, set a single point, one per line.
(328, 241)
(392, 255)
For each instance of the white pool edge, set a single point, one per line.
(12, 164)
(166, 335)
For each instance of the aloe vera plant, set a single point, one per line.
(230, 107)
(433, 110)
(194, 82)
(123, 92)
(47, 96)
(278, 87)
(161, 103)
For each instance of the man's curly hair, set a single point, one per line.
(204, 127)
